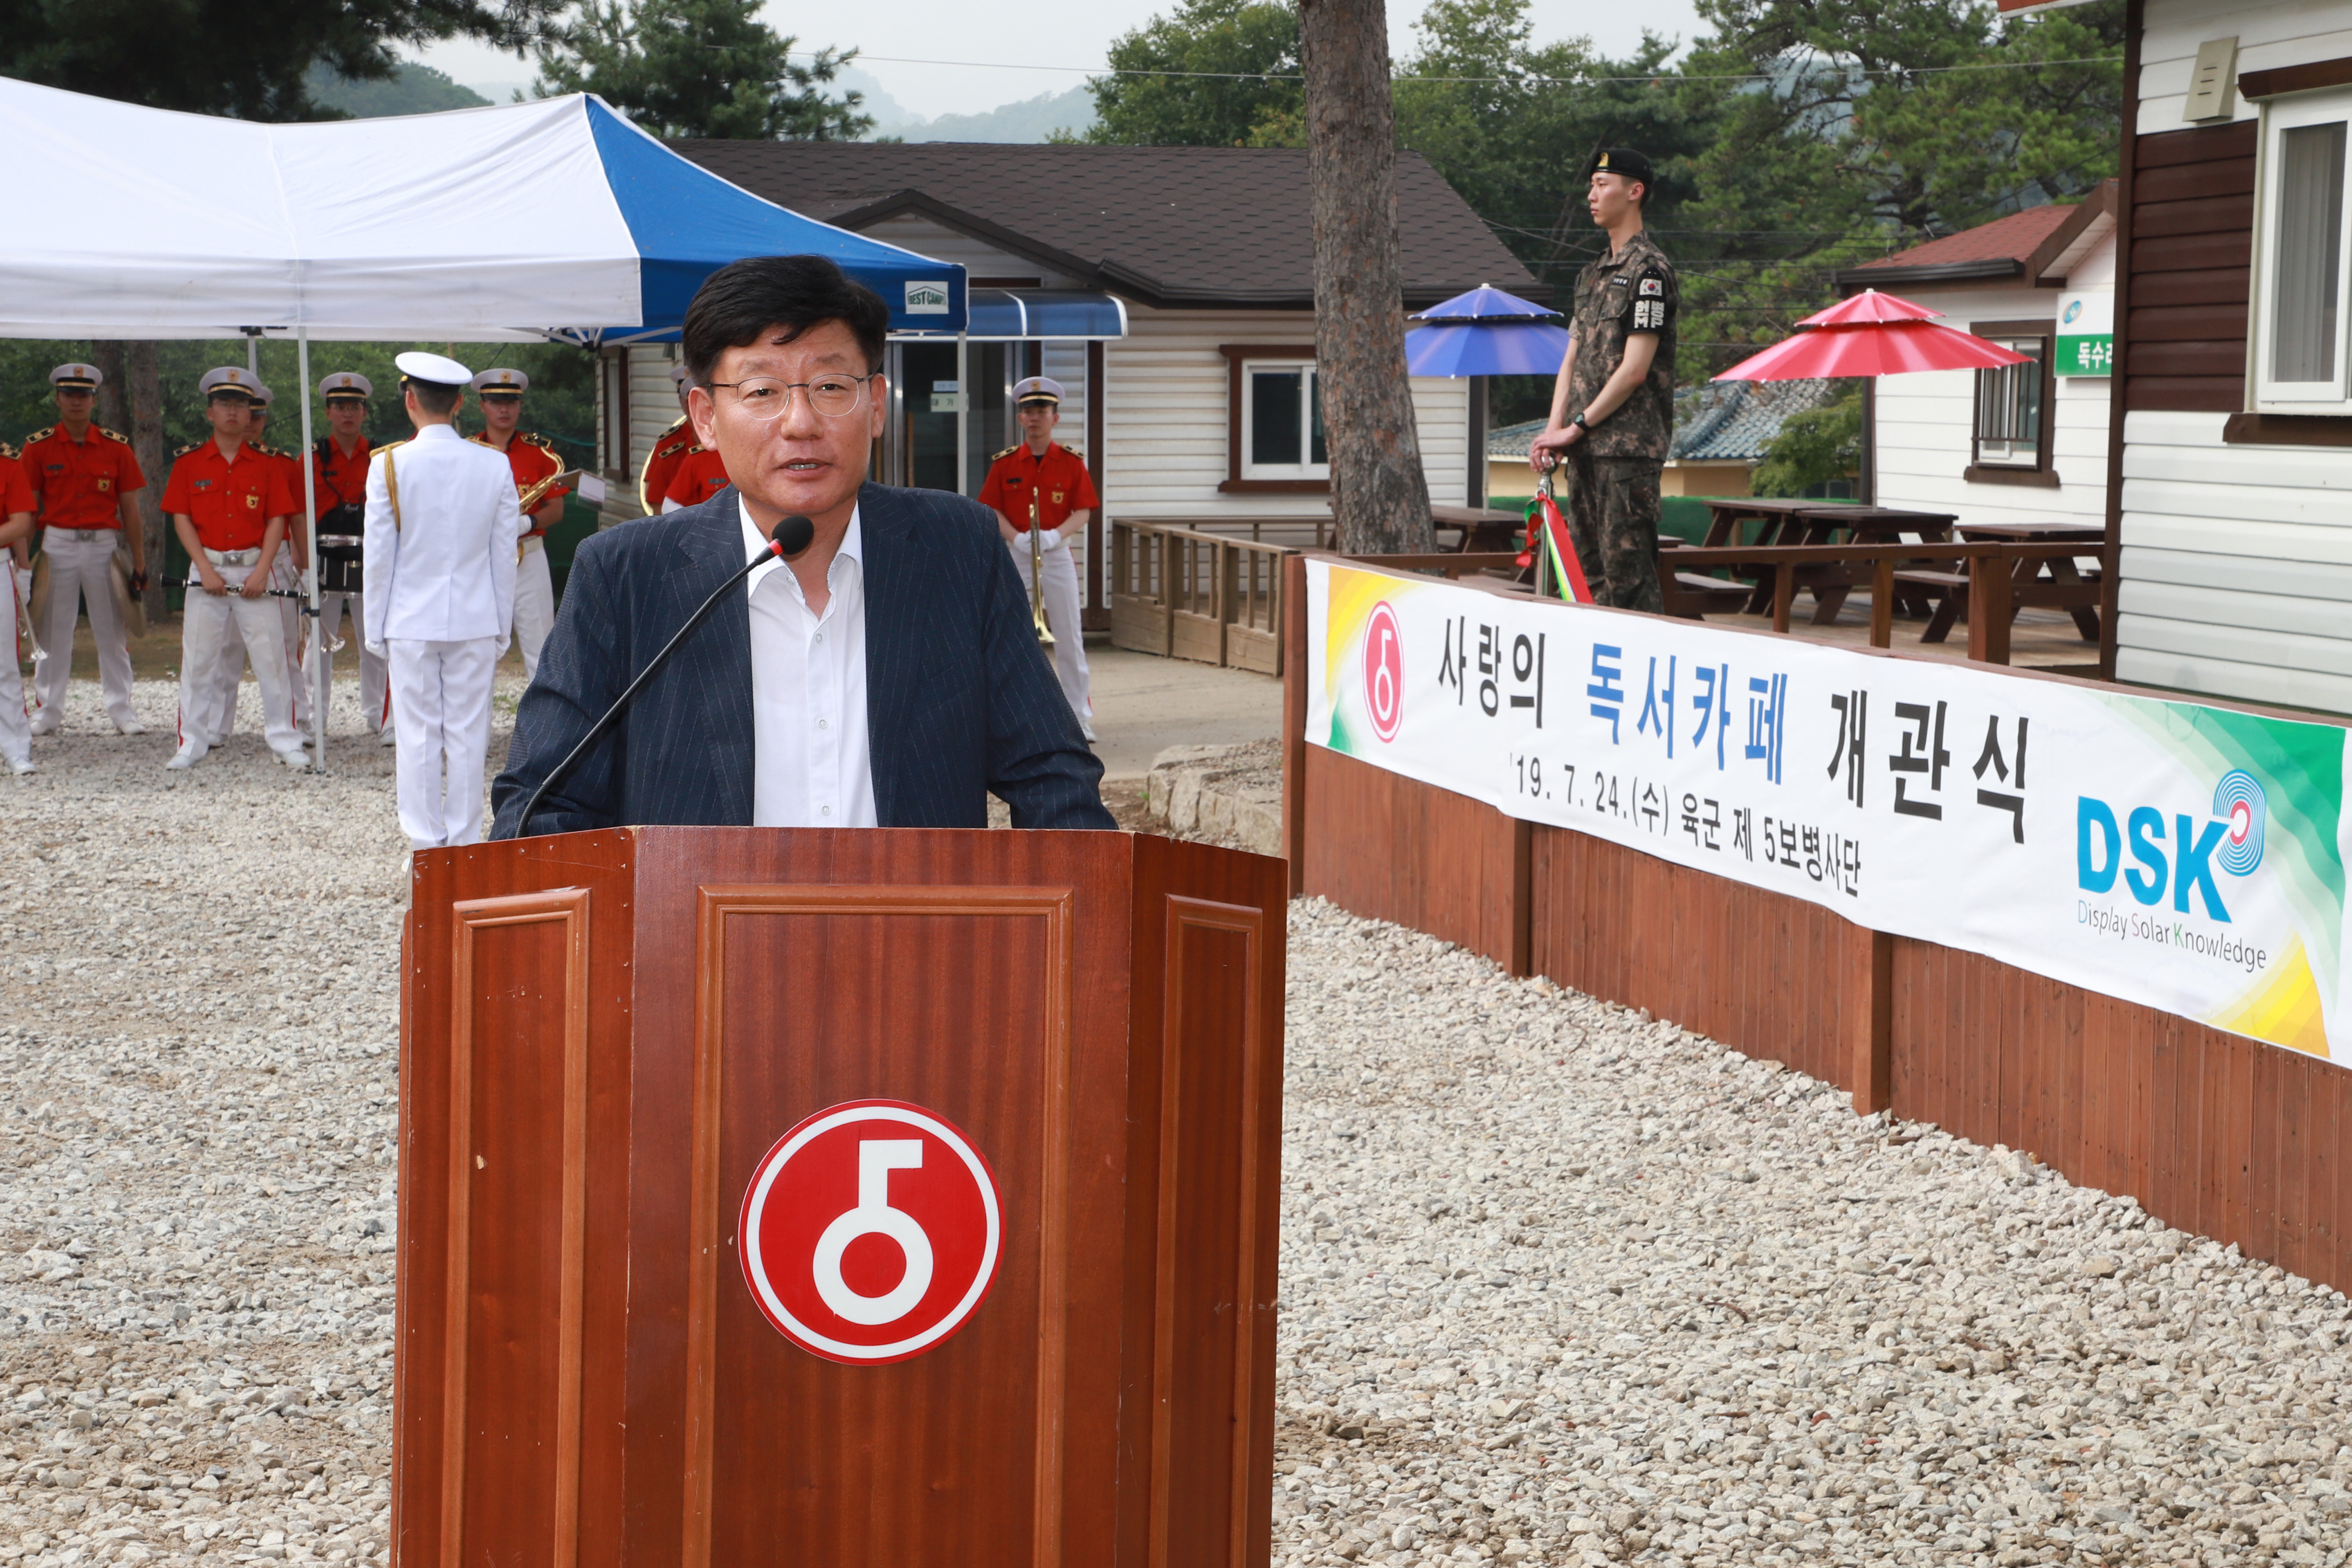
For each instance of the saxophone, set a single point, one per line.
(1037, 574)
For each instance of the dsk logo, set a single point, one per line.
(870, 1232)
(2232, 839)
(927, 298)
(1384, 671)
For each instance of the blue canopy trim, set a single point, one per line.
(688, 223)
(1017, 313)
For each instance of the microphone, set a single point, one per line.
(791, 535)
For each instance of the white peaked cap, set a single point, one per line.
(435, 368)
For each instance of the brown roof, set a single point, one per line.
(2022, 246)
(1180, 227)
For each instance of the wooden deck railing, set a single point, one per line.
(1186, 594)
(1215, 596)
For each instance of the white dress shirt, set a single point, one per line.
(811, 767)
(446, 570)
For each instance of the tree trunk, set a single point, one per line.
(1379, 493)
(144, 378)
(130, 400)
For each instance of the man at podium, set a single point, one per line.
(885, 674)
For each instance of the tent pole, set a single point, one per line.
(321, 673)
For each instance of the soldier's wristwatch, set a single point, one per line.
(1582, 423)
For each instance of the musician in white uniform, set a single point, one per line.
(440, 572)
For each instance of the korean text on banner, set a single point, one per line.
(2187, 857)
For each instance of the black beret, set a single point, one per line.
(1621, 160)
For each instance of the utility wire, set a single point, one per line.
(1662, 76)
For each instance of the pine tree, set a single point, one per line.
(701, 68)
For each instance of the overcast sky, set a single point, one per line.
(1075, 33)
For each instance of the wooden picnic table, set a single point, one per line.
(1796, 522)
(2051, 582)
(1484, 529)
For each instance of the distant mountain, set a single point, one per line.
(1032, 120)
(413, 89)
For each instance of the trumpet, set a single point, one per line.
(1037, 574)
(527, 499)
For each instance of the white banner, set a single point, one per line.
(2185, 856)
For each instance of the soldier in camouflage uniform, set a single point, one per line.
(1612, 409)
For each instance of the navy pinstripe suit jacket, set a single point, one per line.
(959, 698)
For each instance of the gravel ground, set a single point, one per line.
(1562, 1285)
(198, 1028)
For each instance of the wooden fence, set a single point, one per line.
(2213, 1132)
(1188, 593)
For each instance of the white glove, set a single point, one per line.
(381, 650)
(1056, 540)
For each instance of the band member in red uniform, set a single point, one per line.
(339, 465)
(82, 476)
(533, 458)
(1044, 470)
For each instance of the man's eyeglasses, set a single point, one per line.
(764, 398)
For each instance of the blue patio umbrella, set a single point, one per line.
(1486, 332)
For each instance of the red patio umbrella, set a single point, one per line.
(1871, 334)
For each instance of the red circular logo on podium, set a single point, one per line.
(1384, 671)
(870, 1232)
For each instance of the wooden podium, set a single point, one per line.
(601, 1037)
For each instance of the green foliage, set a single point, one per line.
(1256, 40)
(1866, 140)
(561, 405)
(1514, 126)
(699, 67)
(250, 59)
(412, 89)
(1813, 449)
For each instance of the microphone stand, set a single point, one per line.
(791, 535)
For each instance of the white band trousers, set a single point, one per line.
(441, 714)
(80, 570)
(1062, 617)
(208, 663)
(534, 607)
(375, 672)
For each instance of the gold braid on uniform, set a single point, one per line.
(115, 435)
(43, 433)
(8, 451)
(1000, 457)
(186, 450)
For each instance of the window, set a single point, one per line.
(1282, 423)
(2014, 410)
(2008, 409)
(2298, 327)
(1275, 440)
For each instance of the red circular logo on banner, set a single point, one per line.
(1384, 671)
(870, 1232)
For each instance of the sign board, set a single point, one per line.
(2086, 333)
(2187, 857)
(870, 1233)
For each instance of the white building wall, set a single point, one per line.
(2236, 560)
(2284, 33)
(1167, 423)
(2237, 564)
(1927, 421)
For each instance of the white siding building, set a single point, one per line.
(2233, 520)
(1170, 289)
(2027, 445)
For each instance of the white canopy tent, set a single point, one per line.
(555, 219)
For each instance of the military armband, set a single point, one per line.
(1651, 305)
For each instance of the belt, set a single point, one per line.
(342, 541)
(232, 557)
(92, 532)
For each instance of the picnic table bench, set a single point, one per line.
(2051, 582)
